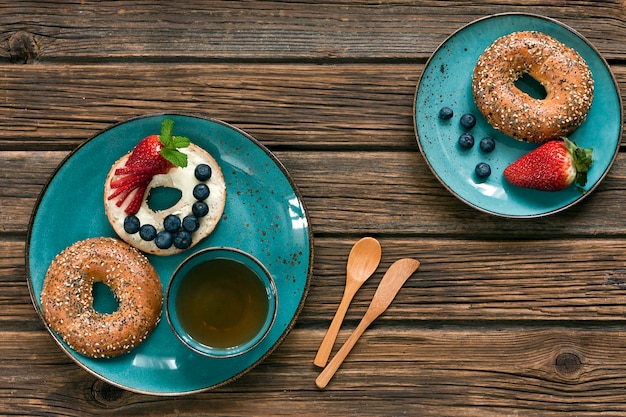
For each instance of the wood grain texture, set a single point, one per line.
(503, 318)
(290, 105)
(276, 30)
(459, 280)
(412, 370)
(359, 192)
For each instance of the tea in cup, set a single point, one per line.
(221, 302)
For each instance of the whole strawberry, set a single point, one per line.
(153, 155)
(553, 166)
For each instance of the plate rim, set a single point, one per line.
(596, 52)
(310, 237)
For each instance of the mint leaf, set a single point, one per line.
(180, 142)
(167, 130)
(170, 143)
(174, 156)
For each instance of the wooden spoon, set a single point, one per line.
(362, 262)
(394, 279)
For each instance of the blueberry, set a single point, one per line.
(147, 232)
(483, 170)
(164, 239)
(182, 239)
(171, 223)
(203, 172)
(200, 209)
(445, 113)
(191, 223)
(201, 191)
(131, 224)
(466, 140)
(468, 121)
(487, 144)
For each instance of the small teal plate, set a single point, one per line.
(446, 81)
(264, 216)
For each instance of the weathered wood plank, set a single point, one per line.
(555, 280)
(459, 280)
(360, 192)
(414, 370)
(295, 105)
(276, 30)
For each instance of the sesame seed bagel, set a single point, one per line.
(183, 179)
(561, 71)
(67, 299)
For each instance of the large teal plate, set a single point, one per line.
(446, 81)
(264, 215)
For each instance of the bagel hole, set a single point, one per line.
(531, 86)
(104, 301)
(162, 198)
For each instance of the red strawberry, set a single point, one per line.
(553, 166)
(153, 155)
(147, 153)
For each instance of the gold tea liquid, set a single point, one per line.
(221, 303)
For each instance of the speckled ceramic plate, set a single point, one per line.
(446, 81)
(264, 216)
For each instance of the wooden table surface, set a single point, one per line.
(505, 316)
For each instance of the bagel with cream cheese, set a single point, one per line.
(179, 227)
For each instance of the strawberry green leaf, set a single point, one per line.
(582, 159)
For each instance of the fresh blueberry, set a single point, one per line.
(203, 172)
(147, 232)
(483, 170)
(131, 224)
(201, 191)
(466, 140)
(445, 113)
(164, 239)
(487, 144)
(182, 239)
(191, 223)
(468, 121)
(200, 209)
(171, 223)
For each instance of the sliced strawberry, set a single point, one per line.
(135, 203)
(153, 155)
(553, 166)
(129, 181)
(135, 170)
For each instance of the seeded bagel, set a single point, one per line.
(67, 300)
(183, 179)
(562, 72)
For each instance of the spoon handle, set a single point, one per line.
(331, 334)
(390, 284)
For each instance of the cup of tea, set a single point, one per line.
(221, 302)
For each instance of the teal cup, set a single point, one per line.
(221, 302)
